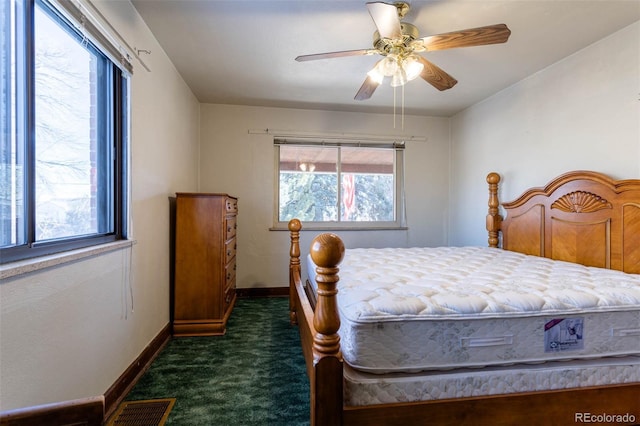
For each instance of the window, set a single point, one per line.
(327, 185)
(63, 123)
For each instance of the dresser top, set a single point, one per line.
(203, 194)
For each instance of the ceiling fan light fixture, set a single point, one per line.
(413, 67)
(389, 66)
(310, 167)
(399, 78)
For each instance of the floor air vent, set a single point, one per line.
(151, 412)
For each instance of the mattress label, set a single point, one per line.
(563, 334)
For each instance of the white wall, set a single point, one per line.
(70, 331)
(582, 113)
(242, 164)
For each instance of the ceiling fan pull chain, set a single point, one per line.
(403, 107)
(394, 107)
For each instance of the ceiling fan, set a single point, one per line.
(399, 43)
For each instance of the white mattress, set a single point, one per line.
(418, 309)
(368, 389)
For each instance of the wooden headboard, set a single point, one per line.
(581, 217)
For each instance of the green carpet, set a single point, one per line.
(253, 375)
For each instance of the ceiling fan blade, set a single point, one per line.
(339, 54)
(366, 90)
(492, 34)
(435, 76)
(385, 16)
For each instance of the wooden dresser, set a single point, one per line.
(205, 263)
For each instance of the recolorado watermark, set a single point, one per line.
(604, 418)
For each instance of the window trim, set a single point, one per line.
(117, 127)
(400, 203)
(34, 264)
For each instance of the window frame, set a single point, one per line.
(115, 131)
(398, 175)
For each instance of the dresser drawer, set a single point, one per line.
(230, 226)
(230, 273)
(229, 295)
(230, 250)
(231, 205)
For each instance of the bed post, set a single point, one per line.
(327, 251)
(294, 266)
(494, 220)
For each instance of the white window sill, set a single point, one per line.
(31, 265)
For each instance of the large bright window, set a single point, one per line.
(353, 185)
(63, 123)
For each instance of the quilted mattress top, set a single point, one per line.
(474, 282)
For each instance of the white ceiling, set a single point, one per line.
(242, 51)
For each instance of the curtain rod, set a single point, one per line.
(134, 51)
(341, 136)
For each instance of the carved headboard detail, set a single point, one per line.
(581, 217)
(581, 202)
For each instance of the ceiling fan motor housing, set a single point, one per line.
(404, 44)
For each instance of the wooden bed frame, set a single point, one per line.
(583, 217)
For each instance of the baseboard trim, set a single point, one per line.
(123, 385)
(263, 292)
(84, 411)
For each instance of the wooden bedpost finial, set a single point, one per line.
(295, 225)
(494, 220)
(493, 178)
(327, 251)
